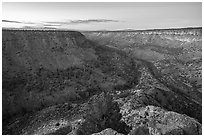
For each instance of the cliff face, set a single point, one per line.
(43, 68)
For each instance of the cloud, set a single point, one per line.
(11, 21)
(92, 21)
(57, 24)
(38, 27)
(52, 24)
(71, 22)
(22, 22)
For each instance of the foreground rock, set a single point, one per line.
(95, 115)
(156, 121)
(103, 113)
(101, 116)
(150, 91)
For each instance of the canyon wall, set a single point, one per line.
(45, 68)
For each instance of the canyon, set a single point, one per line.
(129, 82)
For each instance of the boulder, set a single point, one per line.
(108, 131)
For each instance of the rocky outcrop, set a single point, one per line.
(103, 113)
(70, 119)
(154, 120)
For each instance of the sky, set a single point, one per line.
(101, 16)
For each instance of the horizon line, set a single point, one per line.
(128, 29)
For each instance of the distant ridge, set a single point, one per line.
(133, 30)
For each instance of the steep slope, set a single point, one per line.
(45, 68)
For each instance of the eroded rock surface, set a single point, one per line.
(162, 122)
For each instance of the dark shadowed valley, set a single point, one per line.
(132, 82)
